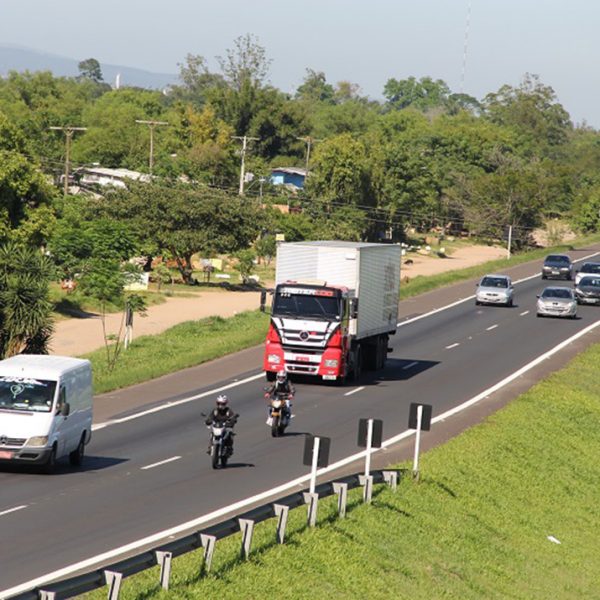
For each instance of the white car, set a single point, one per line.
(588, 268)
(557, 302)
(495, 289)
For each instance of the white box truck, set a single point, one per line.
(334, 306)
(45, 409)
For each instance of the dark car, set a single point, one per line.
(587, 290)
(557, 266)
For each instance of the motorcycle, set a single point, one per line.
(221, 442)
(280, 411)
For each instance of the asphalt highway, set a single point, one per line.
(147, 471)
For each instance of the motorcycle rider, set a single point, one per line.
(282, 386)
(223, 416)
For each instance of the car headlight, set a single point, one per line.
(274, 358)
(331, 362)
(41, 440)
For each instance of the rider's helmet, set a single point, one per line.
(222, 402)
(281, 376)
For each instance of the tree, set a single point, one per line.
(423, 94)
(185, 220)
(90, 69)
(315, 88)
(25, 308)
(196, 80)
(246, 62)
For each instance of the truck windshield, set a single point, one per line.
(306, 305)
(24, 393)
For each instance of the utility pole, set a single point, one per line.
(69, 131)
(244, 139)
(309, 141)
(152, 125)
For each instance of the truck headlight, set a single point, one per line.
(41, 440)
(274, 358)
(331, 362)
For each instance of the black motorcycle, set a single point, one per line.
(221, 442)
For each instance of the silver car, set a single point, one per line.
(557, 302)
(495, 289)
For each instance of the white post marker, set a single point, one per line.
(369, 444)
(509, 241)
(418, 440)
(315, 461)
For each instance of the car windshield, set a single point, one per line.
(590, 268)
(494, 282)
(558, 259)
(23, 393)
(590, 281)
(307, 303)
(557, 293)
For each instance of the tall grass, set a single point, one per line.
(184, 345)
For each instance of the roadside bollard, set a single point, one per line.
(164, 560)
(113, 580)
(282, 511)
(312, 501)
(208, 543)
(247, 529)
(341, 489)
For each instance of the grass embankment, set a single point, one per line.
(184, 345)
(427, 283)
(476, 526)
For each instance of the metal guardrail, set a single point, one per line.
(162, 555)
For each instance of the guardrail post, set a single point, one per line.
(341, 489)
(312, 500)
(46, 595)
(391, 478)
(367, 482)
(281, 510)
(113, 580)
(247, 529)
(164, 560)
(208, 543)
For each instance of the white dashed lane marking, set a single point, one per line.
(11, 510)
(492, 327)
(410, 365)
(524, 313)
(452, 346)
(162, 462)
(358, 389)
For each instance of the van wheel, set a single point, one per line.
(76, 457)
(50, 465)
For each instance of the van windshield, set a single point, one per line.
(24, 393)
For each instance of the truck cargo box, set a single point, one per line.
(371, 271)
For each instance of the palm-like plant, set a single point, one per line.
(25, 308)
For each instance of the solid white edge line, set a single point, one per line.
(14, 509)
(410, 365)
(492, 327)
(156, 409)
(452, 345)
(161, 535)
(162, 462)
(358, 389)
(176, 402)
(194, 523)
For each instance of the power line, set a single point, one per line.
(244, 139)
(152, 125)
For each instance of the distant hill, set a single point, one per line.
(16, 58)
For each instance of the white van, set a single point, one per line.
(45, 409)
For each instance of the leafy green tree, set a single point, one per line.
(25, 308)
(90, 69)
(315, 88)
(266, 248)
(246, 62)
(423, 94)
(185, 220)
(586, 209)
(532, 109)
(245, 264)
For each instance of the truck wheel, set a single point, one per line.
(357, 368)
(382, 347)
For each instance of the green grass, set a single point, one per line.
(426, 283)
(474, 527)
(184, 345)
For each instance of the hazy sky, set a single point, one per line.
(363, 41)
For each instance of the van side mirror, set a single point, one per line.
(65, 409)
(353, 308)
